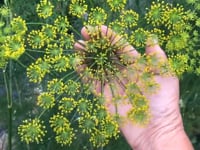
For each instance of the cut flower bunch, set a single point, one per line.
(73, 68)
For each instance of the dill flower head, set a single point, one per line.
(56, 86)
(101, 54)
(116, 5)
(67, 40)
(67, 104)
(155, 14)
(18, 26)
(61, 23)
(138, 37)
(49, 32)
(36, 39)
(118, 26)
(53, 50)
(32, 131)
(59, 123)
(60, 63)
(78, 8)
(36, 71)
(84, 106)
(179, 64)
(66, 137)
(98, 138)
(14, 47)
(97, 16)
(129, 18)
(44, 9)
(46, 100)
(72, 87)
(177, 42)
(5, 11)
(100, 112)
(174, 15)
(139, 116)
(159, 35)
(110, 127)
(87, 122)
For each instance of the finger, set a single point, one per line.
(152, 47)
(80, 45)
(128, 54)
(84, 32)
(157, 50)
(157, 58)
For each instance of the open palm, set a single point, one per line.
(164, 104)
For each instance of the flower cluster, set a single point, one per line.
(61, 126)
(116, 5)
(12, 40)
(78, 8)
(44, 9)
(32, 131)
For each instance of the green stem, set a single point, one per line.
(72, 28)
(8, 87)
(35, 23)
(10, 108)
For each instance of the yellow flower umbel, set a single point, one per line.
(138, 37)
(36, 71)
(97, 16)
(36, 39)
(66, 137)
(62, 24)
(5, 11)
(129, 18)
(61, 126)
(99, 138)
(117, 5)
(72, 87)
(44, 9)
(177, 42)
(59, 123)
(66, 105)
(118, 26)
(60, 63)
(78, 8)
(174, 15)
(110, 127)
(53, 50)
(84, 106)
(67, 40)
(179, 64)
(87, 122)
(49, 32)
(56, 86)
(100, 55)
(32, 131)
(14, 47)
(155, 14)
(18, 26)
(46, 100)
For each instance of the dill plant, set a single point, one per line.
(69, 67)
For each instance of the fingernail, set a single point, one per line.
(152, 40)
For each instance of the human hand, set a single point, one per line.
(165, 128)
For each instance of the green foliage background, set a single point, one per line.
(26, 92)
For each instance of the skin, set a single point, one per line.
(165, 130)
